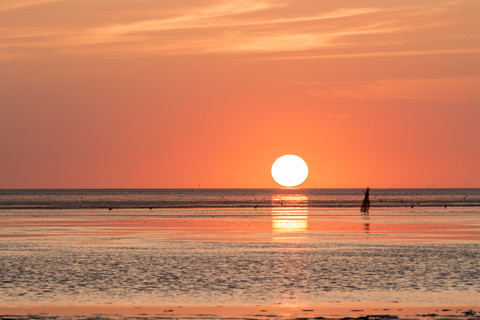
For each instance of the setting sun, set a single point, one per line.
(289, 170)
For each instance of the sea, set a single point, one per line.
(231, 198)
(239, 247)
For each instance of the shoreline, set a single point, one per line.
(361, 310)
(108, 207)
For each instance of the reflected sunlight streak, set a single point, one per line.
(291, 216)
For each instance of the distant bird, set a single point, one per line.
(110, 208)
(366, 201)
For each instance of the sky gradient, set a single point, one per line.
(182, 93)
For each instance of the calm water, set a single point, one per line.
(212, 247)
(234, 198)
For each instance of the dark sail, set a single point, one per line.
(366, 201)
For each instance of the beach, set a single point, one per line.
(239, 312)
(282, 262)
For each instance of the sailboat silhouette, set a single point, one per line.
(366, 201)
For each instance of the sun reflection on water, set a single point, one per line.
(289, 221)
(290, 227)
(289, 215)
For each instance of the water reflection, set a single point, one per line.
(292, 200)
(289, 214)
(366, 218)
(289, 228)
(284, 220)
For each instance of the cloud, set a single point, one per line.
(377, 54)
(276, 29)
(206, 17)
(12, 5)
(447, 89)
(7, 55)
(221, 33)
(212, 18)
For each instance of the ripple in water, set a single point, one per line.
(232, 273)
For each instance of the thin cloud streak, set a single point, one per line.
(247, 28)
(439, 90)
(230, 16)
(244, 40)
(187, 20)
(7, 6)
(238, 43)
(192, 22)
(298, 42)
(9, 56)
(375, 54)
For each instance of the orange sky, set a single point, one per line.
(177, 93)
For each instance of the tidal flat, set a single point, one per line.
(240, 263)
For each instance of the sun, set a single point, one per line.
(289, 170)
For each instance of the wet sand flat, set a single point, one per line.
(256, 225)
(279, 263)
(360, 312)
